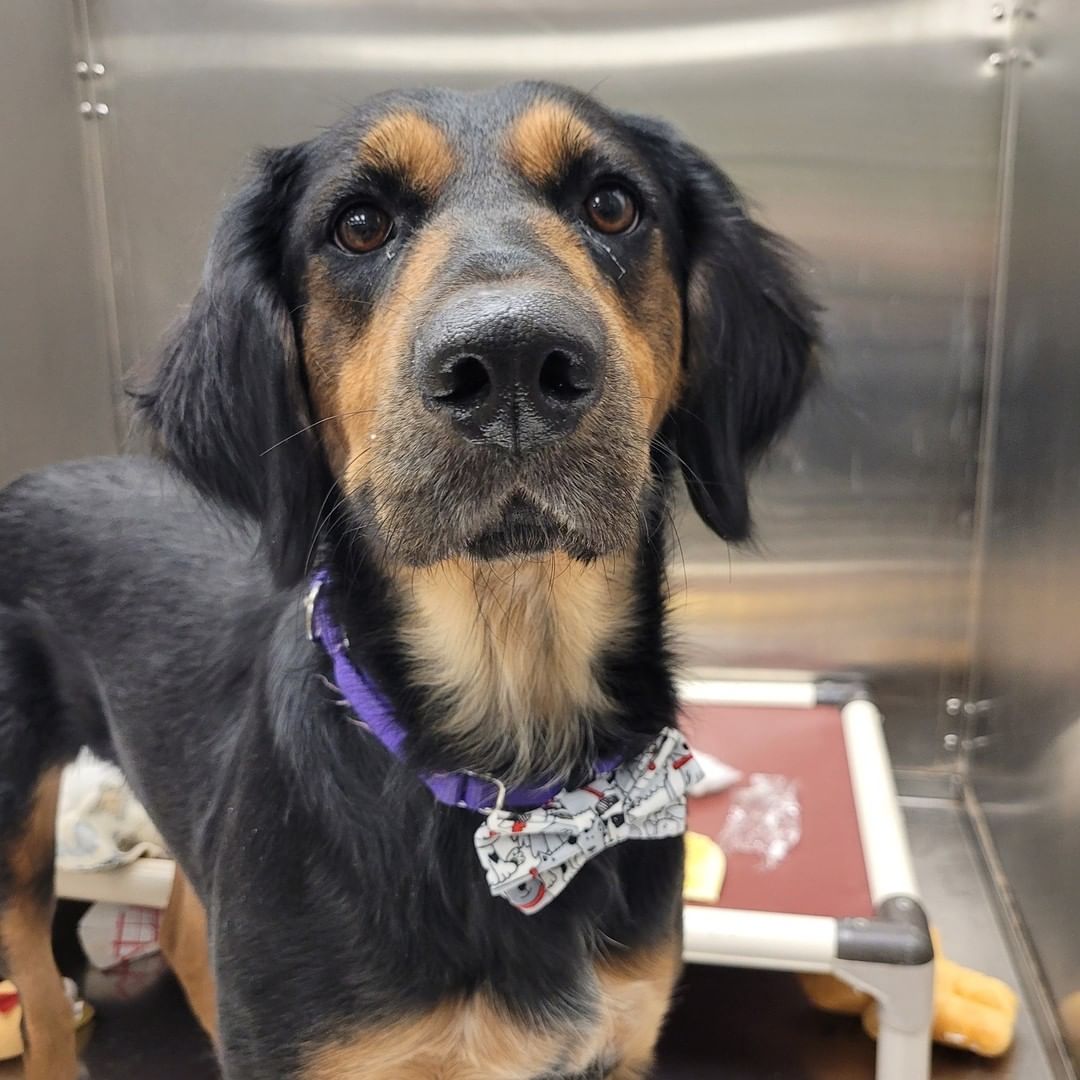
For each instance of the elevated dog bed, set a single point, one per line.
(844, 900)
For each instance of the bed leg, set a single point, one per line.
(902, 1054)
(905, 1016)
(891, 957)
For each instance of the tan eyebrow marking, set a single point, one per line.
(407, 145)
(543, 141)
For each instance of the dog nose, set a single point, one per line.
(510, 368)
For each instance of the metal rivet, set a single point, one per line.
(101, 109)
(952, 741)
(997, 12)
(953, 706)
(997, 59)
(85, 70)
(86, 108)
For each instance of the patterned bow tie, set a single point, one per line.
(530, 857)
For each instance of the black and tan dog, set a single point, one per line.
(453, 350)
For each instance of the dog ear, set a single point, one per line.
(228, 402)
(750, 338)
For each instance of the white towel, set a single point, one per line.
(100, 824)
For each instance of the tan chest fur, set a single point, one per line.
(475, 1040)
(510, 650)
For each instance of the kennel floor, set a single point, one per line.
(727, 1025)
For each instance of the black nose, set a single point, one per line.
(513, 368)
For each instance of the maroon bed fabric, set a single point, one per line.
(825, 873)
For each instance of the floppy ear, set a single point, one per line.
(751, 334)
(228, 398)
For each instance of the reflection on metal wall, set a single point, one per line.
(1028, 773)
(867, 130)
(55, 391)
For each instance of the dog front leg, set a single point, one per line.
(638, 989)
(26, 910)
(185, 943)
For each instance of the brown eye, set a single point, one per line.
(611, 209)
(362, 228)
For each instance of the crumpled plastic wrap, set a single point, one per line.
(764, 819)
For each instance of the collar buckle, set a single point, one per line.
(310, 598)
(500, 789)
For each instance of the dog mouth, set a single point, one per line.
(523, 529)
(432, 498)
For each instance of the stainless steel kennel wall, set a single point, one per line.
(1026, 765)
(56, 394)
(867, 130)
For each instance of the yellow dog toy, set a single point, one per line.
(972, 1011)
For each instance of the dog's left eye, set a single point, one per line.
(362, 228)
(611, 209)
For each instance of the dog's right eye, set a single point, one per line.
(362, 228)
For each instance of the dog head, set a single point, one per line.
(476, 325)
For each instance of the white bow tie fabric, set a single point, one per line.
(530, 857)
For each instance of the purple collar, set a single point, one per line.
(467, 790)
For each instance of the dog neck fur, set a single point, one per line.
(511, 651)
